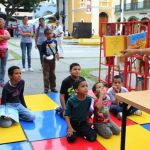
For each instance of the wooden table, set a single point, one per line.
(140, 100)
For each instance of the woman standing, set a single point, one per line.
(4, 36)
(40, 36)
(26, 42)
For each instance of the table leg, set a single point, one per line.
(123, 129)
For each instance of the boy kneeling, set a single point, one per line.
(76, 113)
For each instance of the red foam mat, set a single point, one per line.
(62, 144)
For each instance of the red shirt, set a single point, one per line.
(102, 115)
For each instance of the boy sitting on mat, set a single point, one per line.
(116, 107)
(12, 96)
(66, 89)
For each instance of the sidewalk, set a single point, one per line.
(86, 56)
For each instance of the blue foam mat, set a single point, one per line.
(47, 125)
(55, 97)
(16, 146)
(146, 126)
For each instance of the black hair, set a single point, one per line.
(24, 17)
(116, 77)
(41, 18)
(74, 64)
(77, 82)
(94, 86)
(46, 30)
(11, 70)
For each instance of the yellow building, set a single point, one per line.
(93, 11)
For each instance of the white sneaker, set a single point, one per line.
(119, 115)
(30, 69)
(23, 70)
(138, 113)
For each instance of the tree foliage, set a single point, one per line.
(11, 6)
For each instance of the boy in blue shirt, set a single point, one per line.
(49, 53)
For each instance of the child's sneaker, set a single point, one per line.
(23, 70)
(119, 115)
(138, 113)
(30, 69)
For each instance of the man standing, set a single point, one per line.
(59, 37)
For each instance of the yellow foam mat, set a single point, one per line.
(144, 118)
(39, 102)
(137, 138)
(12, 134)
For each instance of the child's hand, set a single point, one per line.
(102, 92)
(57, 56)
(116, 89)
(70, 131)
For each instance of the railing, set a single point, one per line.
(133, 6)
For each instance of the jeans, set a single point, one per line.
(24, 114)
(115, 109)
(40, 52)
(3, 62)
(25, 46)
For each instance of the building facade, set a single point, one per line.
(133, 10)
(94, 11)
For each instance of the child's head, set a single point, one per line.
(14, 73)
(75, 70)
(97, 87)
(48, 33)
(117, 82)
(80, 87)
(41, 21)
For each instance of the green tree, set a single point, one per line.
(18, 5)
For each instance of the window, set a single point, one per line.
(82, 4)
(140, 4)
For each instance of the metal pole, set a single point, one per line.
(122, 15)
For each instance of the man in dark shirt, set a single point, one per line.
(66, 89)
(12, 95)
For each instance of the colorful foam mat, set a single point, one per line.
(12, 134)
(46, 125)
(62, 144)
(137, 138)
(39, 102)
(16, 146)
(144, 118)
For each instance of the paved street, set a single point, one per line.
(86, 56)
